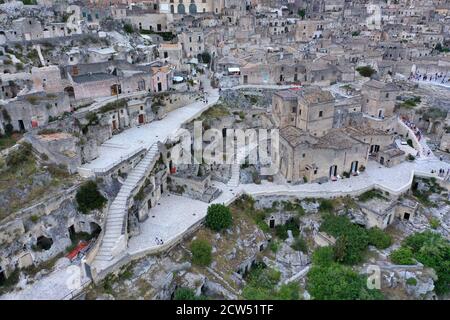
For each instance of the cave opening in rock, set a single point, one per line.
(71, 231)
(2, 277)
(44, 243)
(95, 229)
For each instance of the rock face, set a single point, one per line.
(423, 285)
(414, 282)
(288, 256)
(42, 237)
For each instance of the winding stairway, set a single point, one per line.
(115, 237)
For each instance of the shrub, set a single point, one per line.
(337, 282)
(89, 198)
(262, 285)
(300, 245)
(274, 246)
(201, 252)
(128, 28)
(434, 223)
(411, 281)
(371, 194)
(379, 238)
(366, 71)
(323, 256)
(326, 205)
(183, 293)
(281, 231)
(403, 256)
(20, 155)
(218, 217)
(289, 291)
(433, 251)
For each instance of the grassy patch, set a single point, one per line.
(7, 141)
(371, 194)
(215, 112)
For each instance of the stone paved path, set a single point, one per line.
(120, 146)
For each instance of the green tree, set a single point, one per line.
(366, 71)
(433, 251)
(89, 198)
(128, 28)
(351, 240)
(301, 13)
(218, 217)
(206, 57)
(201, 252)
(338, 282)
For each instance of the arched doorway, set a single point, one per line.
(70, 92)
(354, 167)
(181, 9)
(116, 89)
(172, 9)
(333, 171)
(192, 8)
(435, 127)
(374, 148)
(95, 229)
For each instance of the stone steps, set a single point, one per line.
(118, 210)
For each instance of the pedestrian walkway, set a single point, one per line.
(129, 142)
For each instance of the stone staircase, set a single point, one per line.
(115, 236)
(235, 175)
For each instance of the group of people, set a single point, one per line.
(443, 174)
(414, 128)
(159, 241)
(433, 77)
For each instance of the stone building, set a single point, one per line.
(34, 110)
(381, 212)
(192, 42)
(317, 143)
(379, 98)
(88, 81)
(311, 110)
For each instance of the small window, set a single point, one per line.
(320, 114)
(387, 95)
